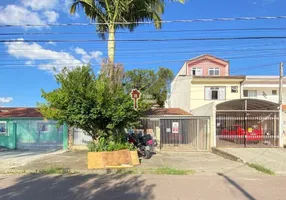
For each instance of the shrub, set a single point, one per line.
(103, 145)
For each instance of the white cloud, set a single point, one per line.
(40, 4)
(51, 16)
(6, 99)
(49, 59)
(35, 52)
(52, 43)
(15, 15)
(29, 62)
(86, 57)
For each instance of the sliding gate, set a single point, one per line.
(248, 127)
(190, 133)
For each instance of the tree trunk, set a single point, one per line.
(111, 49)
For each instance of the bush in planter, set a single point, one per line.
(104, 145)
(107, 153)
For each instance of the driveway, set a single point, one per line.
(17, 158)
(201, 162)
(272, 158)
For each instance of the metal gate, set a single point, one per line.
(247, 129)
(185, 133)
(38, 135)
(80, 137)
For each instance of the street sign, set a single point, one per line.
(135, 95)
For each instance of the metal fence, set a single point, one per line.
(80, 137)
(31, 134)
(185, 133)
(247, 129)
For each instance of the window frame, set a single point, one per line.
(234, 90)
(214, 69)
(215, 88)
(248, 94)
(6, 129)
(276, 92)
(196, 69)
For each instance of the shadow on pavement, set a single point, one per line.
(114, 186)
(237, 186)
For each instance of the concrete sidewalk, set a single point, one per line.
(201, 162)
(272, 158)
(15, 158)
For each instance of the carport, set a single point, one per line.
(247, 123)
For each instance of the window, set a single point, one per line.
(43, 127)
(214, 71)
(3, 128)
(215, 93)
(196, 72)
(234, 89)
(249, 93)
(274, 92)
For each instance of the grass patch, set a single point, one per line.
(158, 171)
(173, 171)
(261, 168)
(55, 170)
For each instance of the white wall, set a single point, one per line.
(180, 93)
(268, 92)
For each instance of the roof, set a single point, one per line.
(166, 111)
(203, 56)
(251, 104)
(19, 113)
(220, 77)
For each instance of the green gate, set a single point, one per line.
(38, 134)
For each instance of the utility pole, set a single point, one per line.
(281, 84)
(280, 102)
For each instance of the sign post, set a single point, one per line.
(135, 95)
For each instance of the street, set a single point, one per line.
(125, 187)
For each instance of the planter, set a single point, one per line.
(113, 159)
(134, 157)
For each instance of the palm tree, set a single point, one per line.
(107, 14)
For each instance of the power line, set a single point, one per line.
(154, 39)
(136, 32)
(150, 22)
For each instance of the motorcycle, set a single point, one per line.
(144, 144)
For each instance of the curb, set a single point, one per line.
(67, 171)
(226, 155)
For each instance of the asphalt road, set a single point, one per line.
(137, 187)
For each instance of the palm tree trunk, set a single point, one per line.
(111, 48)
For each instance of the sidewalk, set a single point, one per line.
(271, 158)
(201, 162)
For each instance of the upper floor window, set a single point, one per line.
(213, 71)
(215, 93)
(250, 93)
(274, 92)
(3, 128)
(197, 72)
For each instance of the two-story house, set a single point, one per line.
(202, 80)
(204, 87)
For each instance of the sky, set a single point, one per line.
(27, 67)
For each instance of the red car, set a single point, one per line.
(236, 133)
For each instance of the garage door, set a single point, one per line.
(41, 135)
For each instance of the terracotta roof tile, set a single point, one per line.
(19, 112)
(166, 111)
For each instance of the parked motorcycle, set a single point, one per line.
(144, 144)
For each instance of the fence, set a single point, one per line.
(80, 137)
(247, 129)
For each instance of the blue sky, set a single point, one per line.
(26, 67)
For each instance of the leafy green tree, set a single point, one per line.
(109, 13)
(151, 84)
(86, 101)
